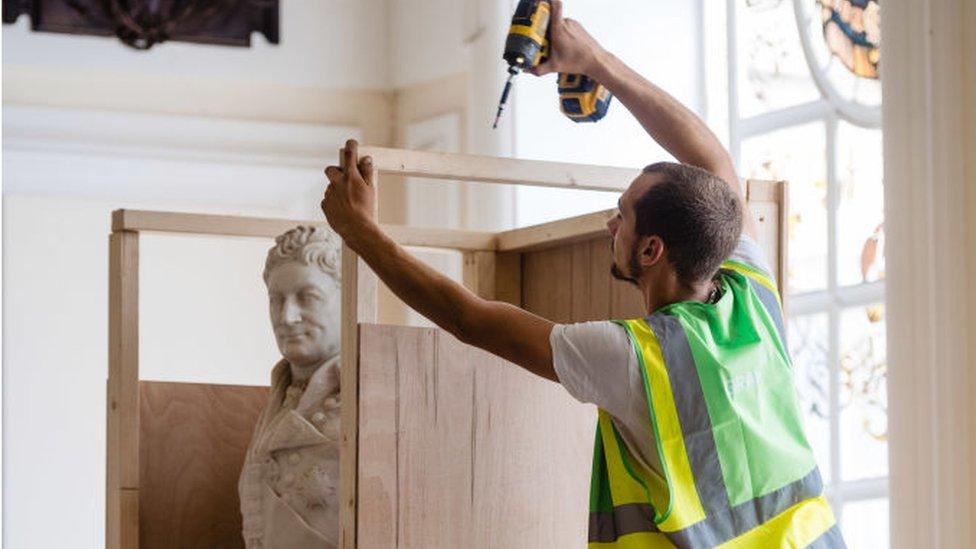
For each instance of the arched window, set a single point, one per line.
(804, 105)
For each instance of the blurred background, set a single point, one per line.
(91, 125)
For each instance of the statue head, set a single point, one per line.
(302, 276)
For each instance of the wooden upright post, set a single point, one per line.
(122, 436)
(358, 305)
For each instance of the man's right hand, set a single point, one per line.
(571, 49)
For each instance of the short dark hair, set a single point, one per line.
(696, 214)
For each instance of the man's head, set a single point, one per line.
(302, 275)
(674, 219)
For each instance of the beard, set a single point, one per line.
(632, 263)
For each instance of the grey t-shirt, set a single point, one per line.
(596, 363)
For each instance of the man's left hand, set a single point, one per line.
(350, 198)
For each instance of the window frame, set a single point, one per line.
(835, 298)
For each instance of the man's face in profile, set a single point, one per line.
(304, 307)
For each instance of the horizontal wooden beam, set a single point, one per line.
(563, 231)
(229, 225)
(489, 169)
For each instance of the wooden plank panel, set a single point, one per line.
(489, 169)
(478, 273)
(193, 438)
(572, 283)
(435, 454)
(378, 439)
(548, 277)
(486, 454)
(546, 283)
(589, 290)
(122, 393)
(129, 525)
(533, 449)
(508, 277)
(625, 300)
(556, 233)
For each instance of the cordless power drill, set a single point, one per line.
(581, 98)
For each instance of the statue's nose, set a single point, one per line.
(290, 312)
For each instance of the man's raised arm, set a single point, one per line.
(675, 127)
(500, 328)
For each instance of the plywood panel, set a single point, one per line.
(547, 283)
(486, 455)
(193, 441)
(569, 281)
(572, 283)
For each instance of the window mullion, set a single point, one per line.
(732, 51)
(833, 320)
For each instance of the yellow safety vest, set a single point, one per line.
(738, 471)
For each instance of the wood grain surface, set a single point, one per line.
(192, 445)
(459, 448)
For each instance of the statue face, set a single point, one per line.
(304, 307)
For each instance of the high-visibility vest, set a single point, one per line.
(737, 468)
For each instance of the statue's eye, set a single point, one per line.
(309, 297)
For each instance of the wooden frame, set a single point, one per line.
(495, 265)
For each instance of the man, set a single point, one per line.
(289, 483)
(699, 439)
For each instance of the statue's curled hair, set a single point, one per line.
(313, 246)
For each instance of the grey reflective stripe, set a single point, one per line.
(696, 425)
(607, 526)
(831, 539)
(719, 528)
(771, 304)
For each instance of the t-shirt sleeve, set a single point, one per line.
(596, 363)
(749, 252)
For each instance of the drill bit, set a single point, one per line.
(512, 71)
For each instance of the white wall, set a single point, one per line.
(446, 60)
(331, 44)
(659, 39)
(91, 126)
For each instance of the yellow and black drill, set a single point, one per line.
(581, 98)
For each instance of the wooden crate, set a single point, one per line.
(442, 445)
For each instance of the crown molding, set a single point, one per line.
(173, 137)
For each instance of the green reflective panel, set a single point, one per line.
(758, 431)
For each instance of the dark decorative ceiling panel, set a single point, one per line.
(144, 23)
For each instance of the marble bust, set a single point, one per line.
(290, 480)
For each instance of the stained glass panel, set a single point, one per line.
(863, 393)
(798, 155)
(809, 351)
(860, 215)
(852, 30)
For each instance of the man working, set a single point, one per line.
(699, 439)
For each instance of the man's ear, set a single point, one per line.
(651, 250)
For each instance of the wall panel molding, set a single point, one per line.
(169, 137)
(369, 110)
